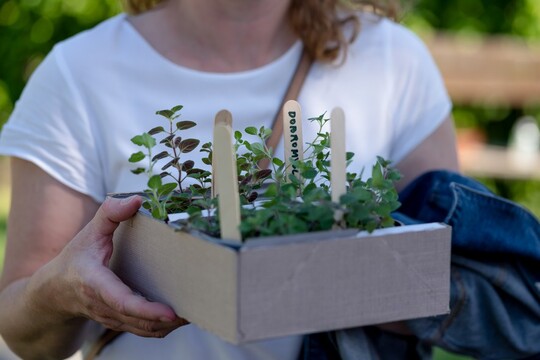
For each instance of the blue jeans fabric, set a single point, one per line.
(481, 221)
(495, 280)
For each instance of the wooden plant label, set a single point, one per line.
(292, 136)
(338, 160)
(222, 117)
(224, 163)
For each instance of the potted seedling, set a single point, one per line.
(300, 246)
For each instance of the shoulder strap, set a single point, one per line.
(106, 338)
(295, 86)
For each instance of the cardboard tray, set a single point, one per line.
(287, 285)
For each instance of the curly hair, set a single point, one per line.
(316, 22)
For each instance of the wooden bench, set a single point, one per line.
(491, 71)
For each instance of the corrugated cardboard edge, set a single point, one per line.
(310, 286)
(147, 251)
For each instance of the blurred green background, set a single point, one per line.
(29, 29)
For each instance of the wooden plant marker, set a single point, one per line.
(224, 168)
(292, 136)
(222, 117)
(338, 160)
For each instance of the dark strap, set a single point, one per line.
(295, 86)
(106, 338)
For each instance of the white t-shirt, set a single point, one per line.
(97, 90)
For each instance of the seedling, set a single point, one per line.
(295, 194)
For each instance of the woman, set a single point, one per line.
(69, 139)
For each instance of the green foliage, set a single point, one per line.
(160, 199)
(517, 17)
(28, 31)
(439, 354)
(292, 203)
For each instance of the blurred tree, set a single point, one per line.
(29, 29)
(474, 18)
(510, 17)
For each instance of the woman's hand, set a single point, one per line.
(55, 274)
(82, 284)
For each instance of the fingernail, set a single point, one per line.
(127, 200)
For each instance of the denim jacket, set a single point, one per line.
(495, 281)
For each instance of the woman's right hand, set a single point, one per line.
(56, 275)
(83, 286)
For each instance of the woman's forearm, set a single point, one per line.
(33, 321)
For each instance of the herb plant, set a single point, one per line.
(161, 199)
(288, 203)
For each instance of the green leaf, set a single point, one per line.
(138, 171)
(263, 174)
(309, 188)
(156, 130)
(136, 157)
(177, 108)
(161, 155)
(377, 176)
(166, 189)
(247, 145)
(147, 205)
(144, 140)
(165, 113)
(188, 145)
(393, 175)
(207, 146)
(184, 125)
(170, 163)
(154, 182)
(167, 140)
(278, 162)
(266, 133)
(271, 191)
(158, 214)
(188, 165)
(351, 176)
(237, 135)
(384, 163)
(193, 210)
(309, 173)
(361, 194)
(257, 149)
(387, 222)
(251, 130)
(347, 199)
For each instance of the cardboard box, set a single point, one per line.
(286, 285)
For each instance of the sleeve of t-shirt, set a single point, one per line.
(48, 127)
(421, 102)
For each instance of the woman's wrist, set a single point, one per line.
(47, 322)
(51, 295)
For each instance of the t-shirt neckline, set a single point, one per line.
(291, 56)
